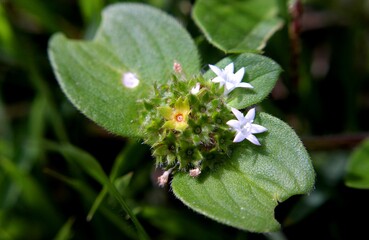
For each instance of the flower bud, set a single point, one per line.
(184, 122)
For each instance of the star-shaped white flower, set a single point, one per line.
(244, 126)
(225, 77)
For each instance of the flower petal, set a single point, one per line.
(238, 76)
(234, 124)
(239, 137)
(245, 85)
(229, 68)
(181, 126)
(238, 115)
(229, 86)
(169, 124)
(195, 89)
(253, 139)
(218, 80)
(182, 105)
(256, 128)
(250, 115)
(227, 91)
(166, 112)
(216, 70)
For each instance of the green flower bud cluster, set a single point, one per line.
(186, 127)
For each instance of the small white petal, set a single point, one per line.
(238, 76)
(229, 68)
(239, 137)
(228, 78)
(218, 80)
(250, 115)
(234, 124)
(244, 127)
(226, 92)
(195, 89)
(253, 139)
(256, 128)
(229, 86)
(245, 85)
(216, 70)
(130, 80)
(238, 114)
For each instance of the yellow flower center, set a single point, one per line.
(179, 117)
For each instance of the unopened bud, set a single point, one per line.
(163, 179)
(177, 67)
(195, 172)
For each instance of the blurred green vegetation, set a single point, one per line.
(44, 194)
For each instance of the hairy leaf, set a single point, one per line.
(244, 191)
(357, 173)
(132, 38)
(237, 25)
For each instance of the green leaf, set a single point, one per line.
(261, 72)
(25, 157)
(90, 8)
(176, 224)
(132, 38)
(357, 172)
(31, 191)
(330, 167)
(65, 232)
(245, 190)
(7, 39)
(239, 25)
(88, 195)
(92, 167)
(131, 153)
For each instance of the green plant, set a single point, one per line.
(117, 79)
(191, 117)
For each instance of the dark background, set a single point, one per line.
(323, 94)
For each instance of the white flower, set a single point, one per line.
(244, 126)
(130, 80)
(195, 89)
(229, 79)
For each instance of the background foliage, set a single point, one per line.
(45, 193)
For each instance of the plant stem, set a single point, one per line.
(334, 142)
